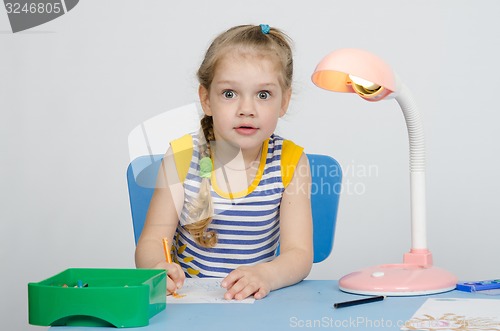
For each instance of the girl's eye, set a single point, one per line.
(264, 95)
(228, 94)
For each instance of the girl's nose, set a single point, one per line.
(246, 108)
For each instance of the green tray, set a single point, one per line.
(108, 297)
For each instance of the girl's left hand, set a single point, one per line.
(245, 281)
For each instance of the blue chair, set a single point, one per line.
(325, 191)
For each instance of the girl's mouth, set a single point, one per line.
(246, 130)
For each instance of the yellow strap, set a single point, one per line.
(290, 156)
(183, 152)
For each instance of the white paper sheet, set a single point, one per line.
(203, 290)
(456, 314)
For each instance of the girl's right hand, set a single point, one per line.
(175, 275)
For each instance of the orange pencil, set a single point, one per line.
(168, 257)
(166, 248)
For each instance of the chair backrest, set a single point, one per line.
(326, 185)
(325, 191)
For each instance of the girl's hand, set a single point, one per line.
(245, 281)
(175, 275)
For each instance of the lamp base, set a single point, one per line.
(402, 279)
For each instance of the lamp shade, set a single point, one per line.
(332, 72)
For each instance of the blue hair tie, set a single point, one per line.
(265, 28)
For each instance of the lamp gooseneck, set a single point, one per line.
(417, 167)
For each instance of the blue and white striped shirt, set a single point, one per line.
(247, 224)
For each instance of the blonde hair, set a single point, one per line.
(249, 38)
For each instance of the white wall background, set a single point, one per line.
(71, 91)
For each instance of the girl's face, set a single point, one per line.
(245, 99)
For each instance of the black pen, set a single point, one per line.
(358, 302)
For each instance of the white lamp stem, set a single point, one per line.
(418, 220)
(417, 167)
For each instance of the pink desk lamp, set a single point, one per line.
(358, 71)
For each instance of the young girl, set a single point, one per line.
(228, 195)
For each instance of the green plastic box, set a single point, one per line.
(98, 297)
